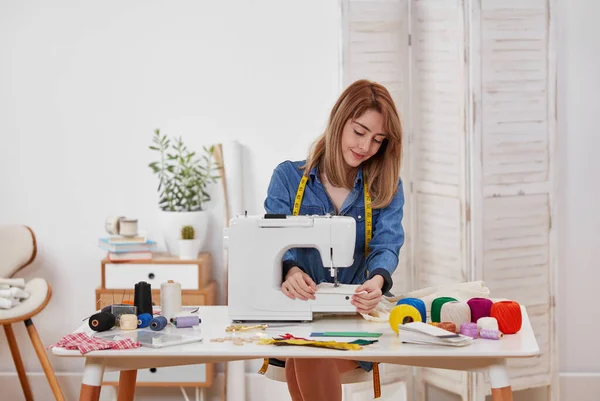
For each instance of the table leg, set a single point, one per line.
(501, 390)
(127, 385)
(92, 381)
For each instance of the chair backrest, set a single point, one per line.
(17, 248)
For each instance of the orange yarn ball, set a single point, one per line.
(449, 326)
(508, 315)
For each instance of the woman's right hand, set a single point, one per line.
(299, 285)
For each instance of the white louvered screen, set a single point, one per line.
(482, 120)
(438, 149)
(375, 47)
(514, 102)
(375, 43)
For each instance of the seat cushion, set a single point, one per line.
(38, 291)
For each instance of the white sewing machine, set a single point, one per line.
(256, 246)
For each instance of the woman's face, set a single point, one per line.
(362, 138)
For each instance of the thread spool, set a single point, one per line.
(508, 315)
(158, 323)
(417, 303)
(489, 323)
(455, 312)
(448, 326)
(186, 321)
(490, 334)
(469, 329)
(436, 307)
(402, 314)
(144, 320)
(480, 307)
(142, 298)
(170, 299)
(128, 322)
(102, 321)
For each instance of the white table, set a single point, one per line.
(482, 355)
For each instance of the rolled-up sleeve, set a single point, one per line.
(279, 201)
(388, 238)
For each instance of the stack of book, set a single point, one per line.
(124, 249)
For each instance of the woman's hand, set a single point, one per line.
(298, 284)
(366, 302)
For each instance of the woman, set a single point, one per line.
(360, 150)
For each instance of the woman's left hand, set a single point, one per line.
(366, 302)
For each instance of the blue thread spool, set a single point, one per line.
(158, 323)
(144, 320)
(417, 303)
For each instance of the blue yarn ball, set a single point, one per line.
(417, 303)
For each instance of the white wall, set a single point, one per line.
(84, 85)
(579, 175)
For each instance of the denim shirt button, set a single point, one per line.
(359, 217)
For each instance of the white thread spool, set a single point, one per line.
(128, 322)
(128, 227)
(489, 323)
(170, 299)
(455, 312)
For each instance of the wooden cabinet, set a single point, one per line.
(198, 288)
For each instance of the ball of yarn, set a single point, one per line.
(508, 315)
(436, 307)
(449, 326)
(480, 307)
(489, 323)
(402, 314)
(490, 334)
(417, 303)
(469, 329)
(455, 312)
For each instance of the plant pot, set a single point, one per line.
(189, 249)
(172, 222)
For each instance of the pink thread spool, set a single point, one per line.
(469, 329)
(480, 307)
(490, 334)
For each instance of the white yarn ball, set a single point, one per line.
(489, 323)
(455, 312)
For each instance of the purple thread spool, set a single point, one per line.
(186, 321)
(469, 329)
(480, 307)
(490, 334)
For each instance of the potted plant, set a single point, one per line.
(183, 179)
(189, 246)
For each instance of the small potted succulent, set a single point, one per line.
(189, 246)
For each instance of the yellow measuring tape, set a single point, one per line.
(368, 210)
(368, 236)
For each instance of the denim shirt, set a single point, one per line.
(386, 241)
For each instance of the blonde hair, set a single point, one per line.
(382, 170)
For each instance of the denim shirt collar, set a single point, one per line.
(314, 174)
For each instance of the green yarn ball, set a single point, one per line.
(436, 307)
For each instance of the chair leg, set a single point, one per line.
(16, 355)
(41, 353)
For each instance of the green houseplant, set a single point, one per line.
(183, 180)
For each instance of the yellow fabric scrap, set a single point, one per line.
(322, 344)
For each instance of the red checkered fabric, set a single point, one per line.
(85, 343)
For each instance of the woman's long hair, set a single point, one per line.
(382, 170)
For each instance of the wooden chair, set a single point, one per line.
(17, 250)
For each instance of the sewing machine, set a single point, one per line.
(256, 246)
